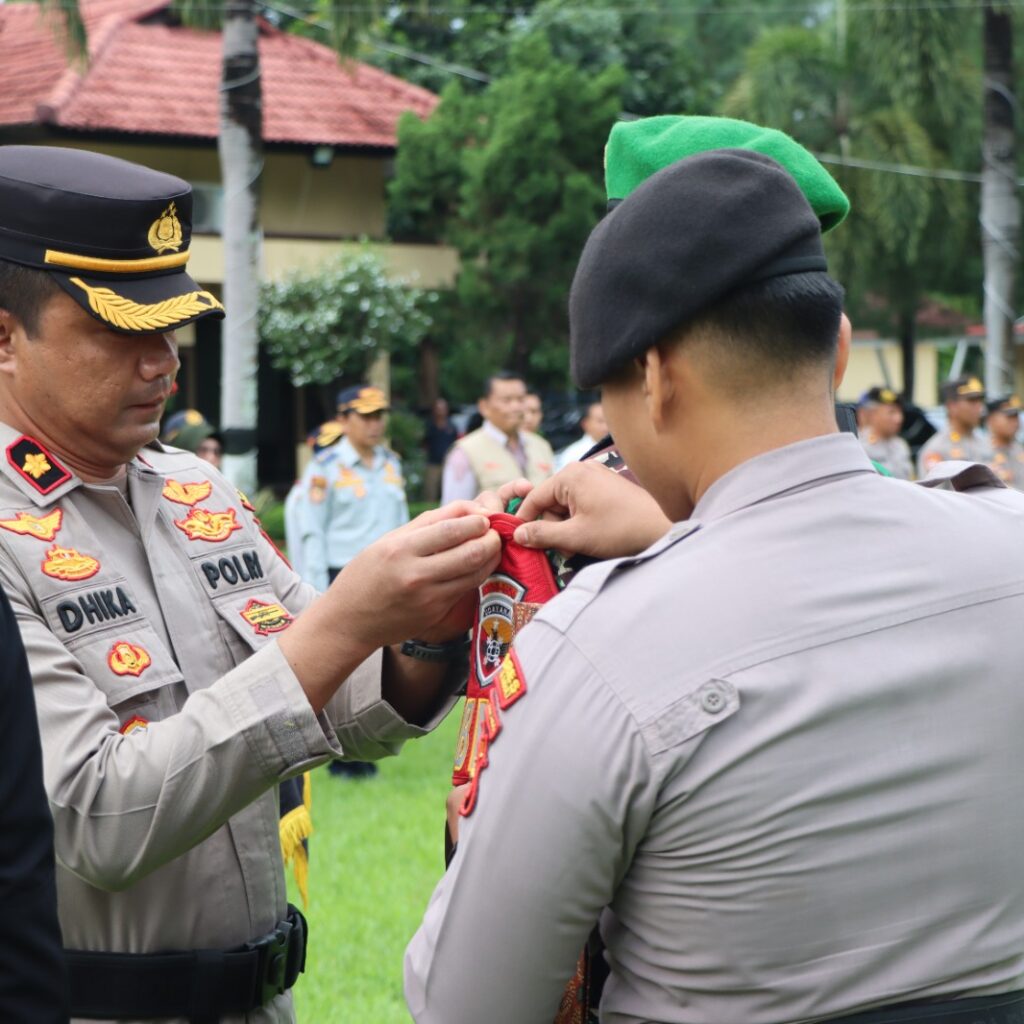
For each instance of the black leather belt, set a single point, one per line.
(1005, 1008)
(202, 985)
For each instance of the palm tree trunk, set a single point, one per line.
(241, 157)
(1000, 207)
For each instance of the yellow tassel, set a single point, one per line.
(294, 827)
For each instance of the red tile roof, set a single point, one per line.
(151, 78)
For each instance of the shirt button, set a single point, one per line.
(712, 698)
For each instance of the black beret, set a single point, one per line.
(684, 239)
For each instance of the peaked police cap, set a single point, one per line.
(113, 234)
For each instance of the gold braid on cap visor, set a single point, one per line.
(133, 316)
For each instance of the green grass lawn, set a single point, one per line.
(375, 856)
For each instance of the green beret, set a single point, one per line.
(636, 149)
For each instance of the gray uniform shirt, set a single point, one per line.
(951, 445)
(778, 755)
(168, 714)
(892, 452)
(1008, 464)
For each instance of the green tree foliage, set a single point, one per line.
(896, 84)
(324, 324)
(512, 177)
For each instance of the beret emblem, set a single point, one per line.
(165, 231)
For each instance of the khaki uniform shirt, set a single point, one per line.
(953, 446)
(893, 453)
(1008, 464)
(167, 711)
(778, 754)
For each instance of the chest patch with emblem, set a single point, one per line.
(213, 527)
(69, 564)
(266, 618)
(127, 659)
(187, 494)
(40, 527)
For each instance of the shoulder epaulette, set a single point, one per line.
(35, 465)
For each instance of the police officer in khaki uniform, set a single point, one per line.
(964, 399)
(181, 669)
(749, 749)
(881, 417)
(1003, 423)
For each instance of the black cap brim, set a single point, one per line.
(141, 305)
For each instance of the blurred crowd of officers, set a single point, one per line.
(880, 420)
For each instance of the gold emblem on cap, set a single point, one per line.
(972, 385)
(165, 231)
(887, 396)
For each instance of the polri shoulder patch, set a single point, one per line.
(35, 465)
(134, 724)
(41, 527)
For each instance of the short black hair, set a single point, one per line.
(24, 291)
(500, 375)
(782, 323)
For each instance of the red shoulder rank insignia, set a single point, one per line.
(186, 494)
(266, 618)
(41, 527)
(127, 659)
(35, 465)
(135, 723)
(69, 564)
(213, 527)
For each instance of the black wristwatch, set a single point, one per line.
(453, 650)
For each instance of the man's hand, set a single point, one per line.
(497, 501)
(413, 582)
(586, 509)
(418, 580)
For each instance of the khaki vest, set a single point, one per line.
(494, 465)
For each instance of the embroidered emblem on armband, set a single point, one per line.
(317, 489)
(35, 465)
(187, 494)
(41, 527)
(266, 618)
(69, 564)
(498, 597)
(134, 724)
(487, 723)
(212, 527)
(127, 659)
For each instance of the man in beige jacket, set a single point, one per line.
(501, 450)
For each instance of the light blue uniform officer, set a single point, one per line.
(353, 492)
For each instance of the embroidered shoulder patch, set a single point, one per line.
(186, 494)
(484, 725)
(127, 659)
(41, 527)
(213, 527)
(134, 724)
(69, 564)
(266, 618)
(35, 465)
